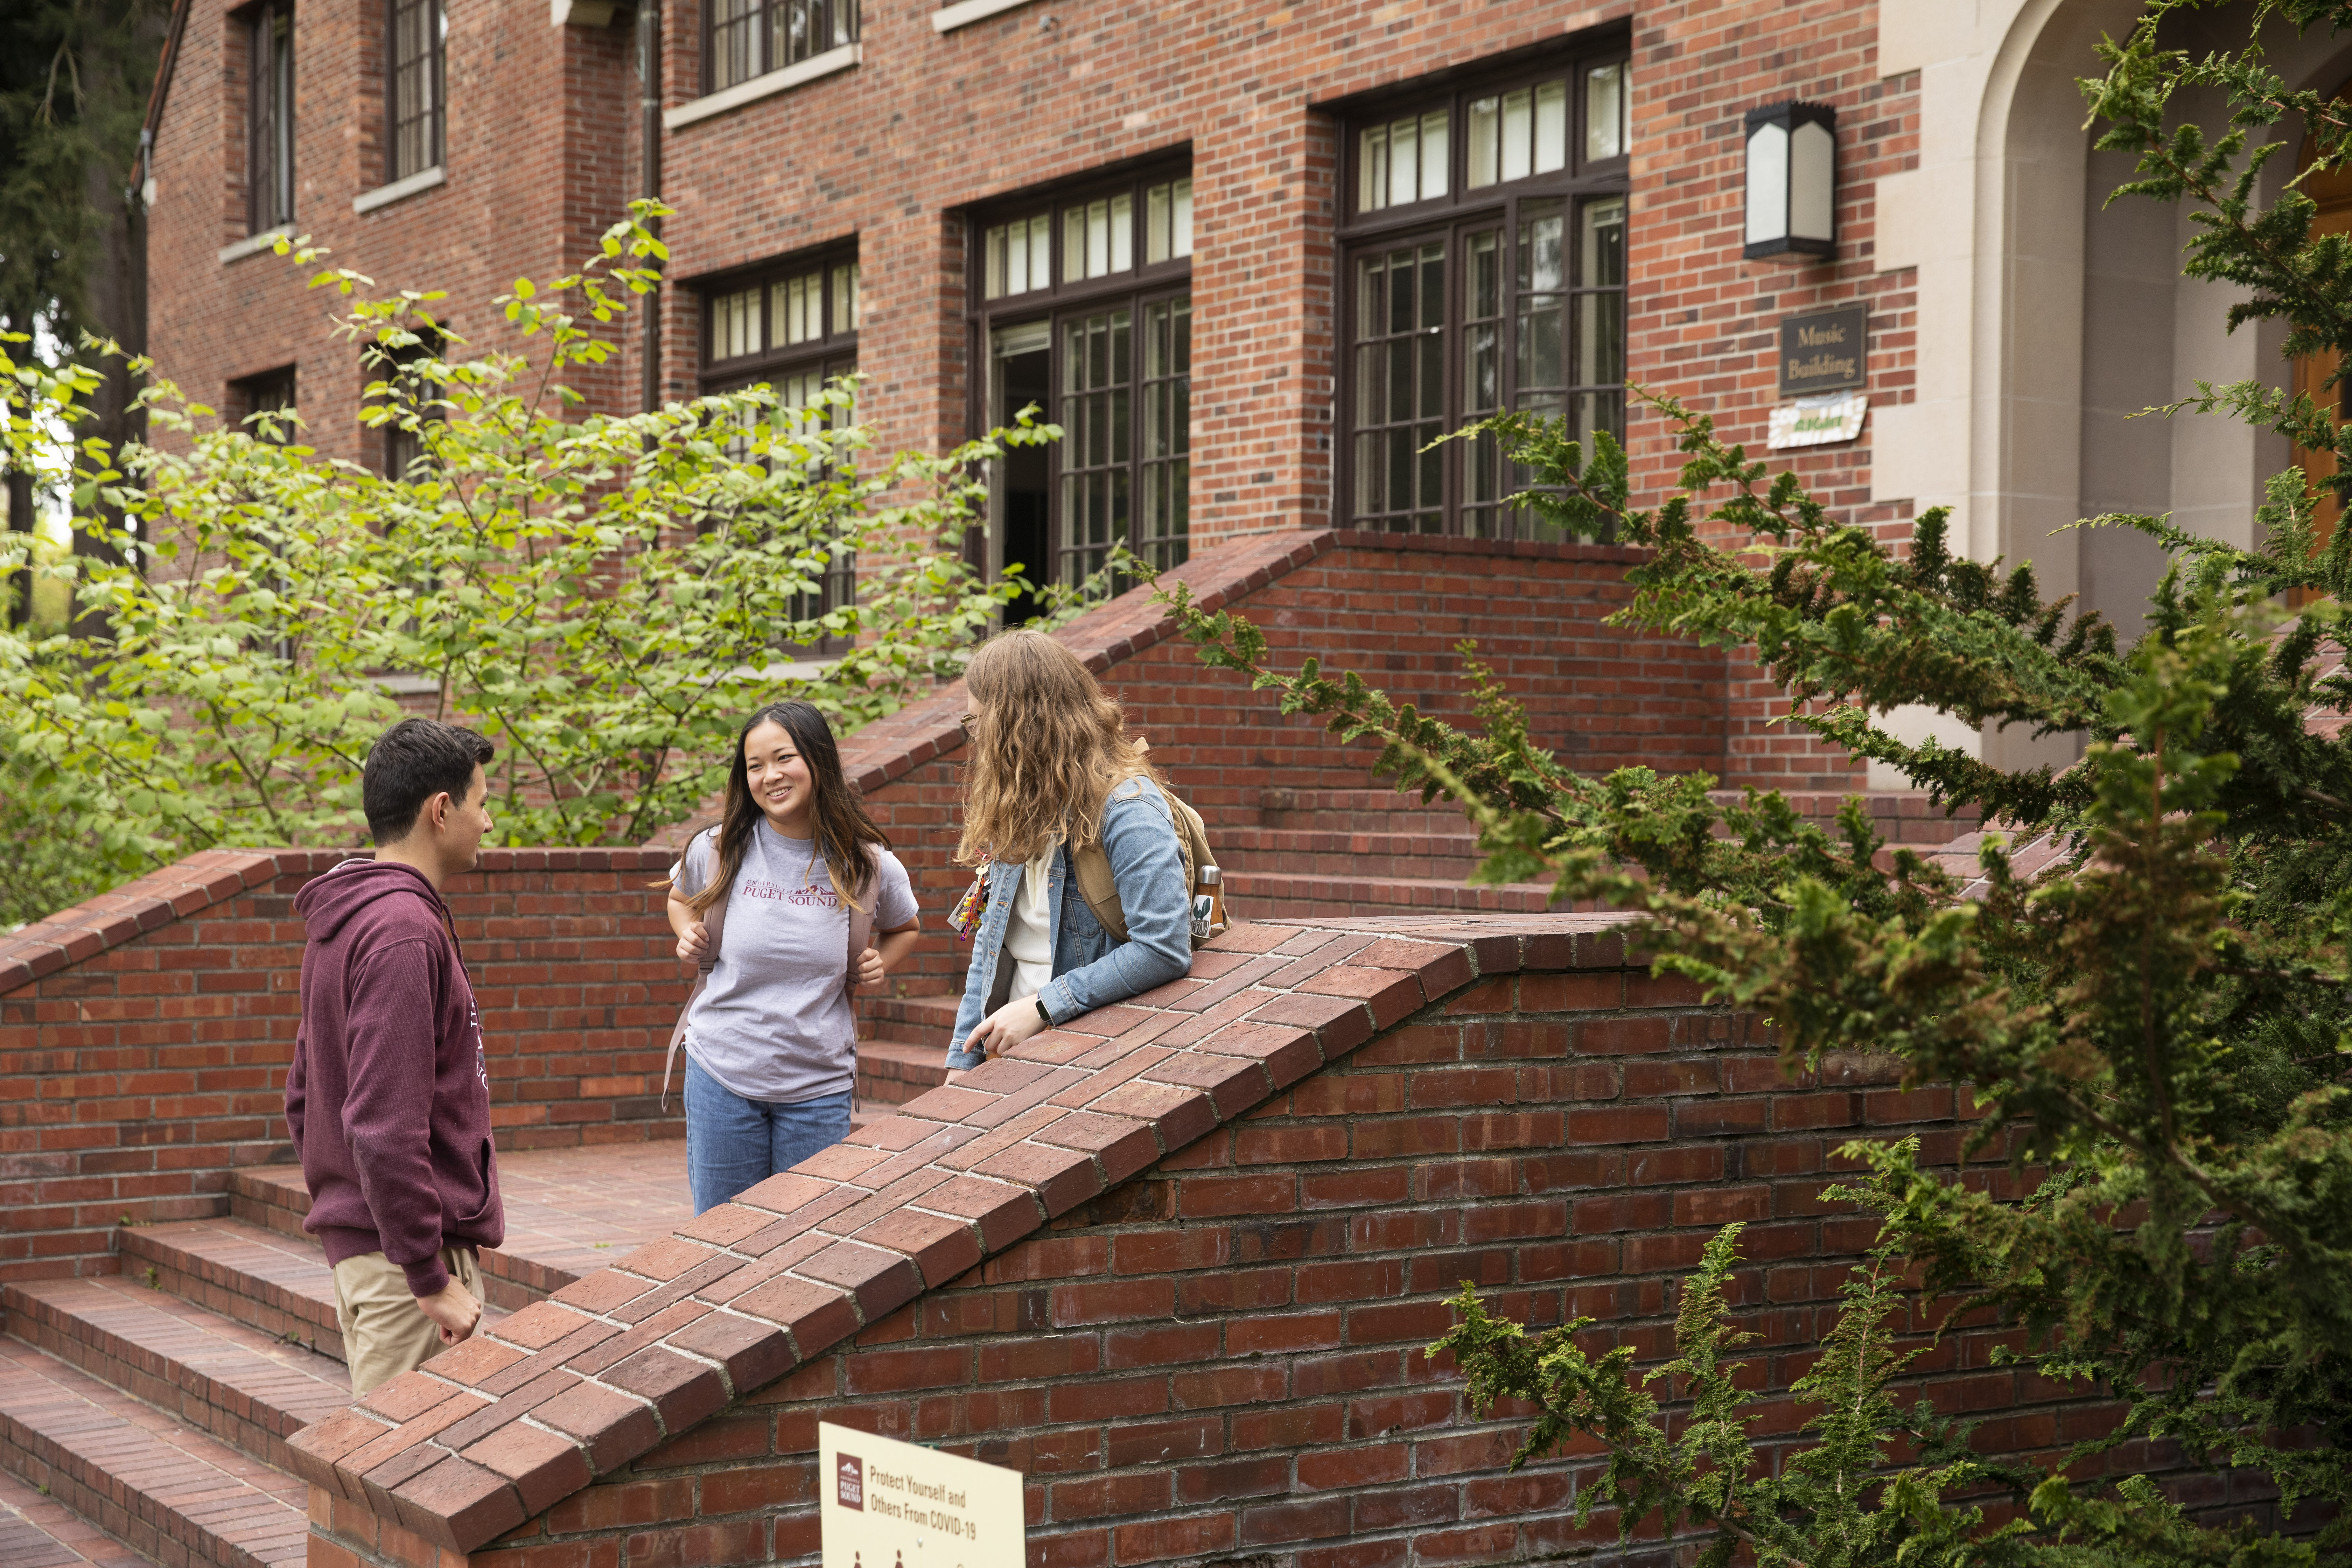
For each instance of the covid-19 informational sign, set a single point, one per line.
(886, 1504)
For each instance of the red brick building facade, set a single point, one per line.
(1176, 1260)
(1206, 191)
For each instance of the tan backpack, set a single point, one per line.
(1100, 890)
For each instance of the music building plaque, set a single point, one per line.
(1827, 351)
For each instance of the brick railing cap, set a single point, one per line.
(208, 876)
(891, 747)
(806, 1260)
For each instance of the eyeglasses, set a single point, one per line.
(970, 721)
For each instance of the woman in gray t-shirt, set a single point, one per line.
(772, 1039)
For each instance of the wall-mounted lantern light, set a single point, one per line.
(1791, 182)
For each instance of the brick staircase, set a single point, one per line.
(155, 1404)
(1303, 854)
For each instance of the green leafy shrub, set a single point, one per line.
(603, 595)
(2159, 1021)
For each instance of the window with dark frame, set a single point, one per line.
(790, 326)
(1081, 305)
(747, 39)
(403, 448)
(269, 116)
(1484, 246)
(416, 102)
(271, 392)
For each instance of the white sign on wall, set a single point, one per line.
(882, 1503)
(1816, 421)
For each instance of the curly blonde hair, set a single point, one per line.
(1045, 744)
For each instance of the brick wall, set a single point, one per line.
(1704, 325)
(144, 1035)
(543, 145)
(542, 153)
(539, 158)
(1177, 1263)
(1390, 607)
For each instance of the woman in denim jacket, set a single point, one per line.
(1051, 766)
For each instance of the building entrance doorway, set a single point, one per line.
(1020, 375)
(2311, 372)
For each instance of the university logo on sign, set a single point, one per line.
(892, 1504)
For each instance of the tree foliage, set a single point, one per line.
(74, 80)
(604, 596)
(2159, 1021)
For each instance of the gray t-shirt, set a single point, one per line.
(774, 1023)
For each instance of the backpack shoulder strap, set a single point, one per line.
(861, 921)
(1091, 865)
(714, 920)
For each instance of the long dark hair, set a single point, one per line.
(843, 826)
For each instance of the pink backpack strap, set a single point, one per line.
(714, 920)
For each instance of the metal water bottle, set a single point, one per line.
(1208, 902)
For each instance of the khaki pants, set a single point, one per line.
(385, 1333)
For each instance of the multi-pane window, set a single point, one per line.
(410, 392)
(751, 38)
(1485, 270)
(272, 392)
(1083, 307)
(418, 82)
(792, 328)
(269, 116)
(1099, 239)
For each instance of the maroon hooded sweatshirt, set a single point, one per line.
(389, 1099)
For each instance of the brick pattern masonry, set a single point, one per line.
(1177, 1263)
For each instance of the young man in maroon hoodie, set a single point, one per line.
(389, 1098)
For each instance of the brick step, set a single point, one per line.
(906, 1020)
(1901, 817)
(245, 1388)
(262, 1278)
(1266, 896)
(147, 1478)
(39, 1532)
(1329, 852)
(892, 1072)
(569, 1212)
(1340, 810)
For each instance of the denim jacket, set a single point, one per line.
(1091, 971)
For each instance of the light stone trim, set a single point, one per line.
(255, 244)
(400, 190)
(760, 87)
(963, 14)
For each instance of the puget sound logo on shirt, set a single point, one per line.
(759, 888)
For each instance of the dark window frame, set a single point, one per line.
(274, 391)
(401, 449)
(1138, 288)
(769, 360)
(269, 105)
(1452, 220)
(754, 30)
(829, 354)
(435, 69)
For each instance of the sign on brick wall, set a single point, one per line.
(1825, 350)
(886, 1504)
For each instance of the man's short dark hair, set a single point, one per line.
(410, 764)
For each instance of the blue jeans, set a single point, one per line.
(733, 1144)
